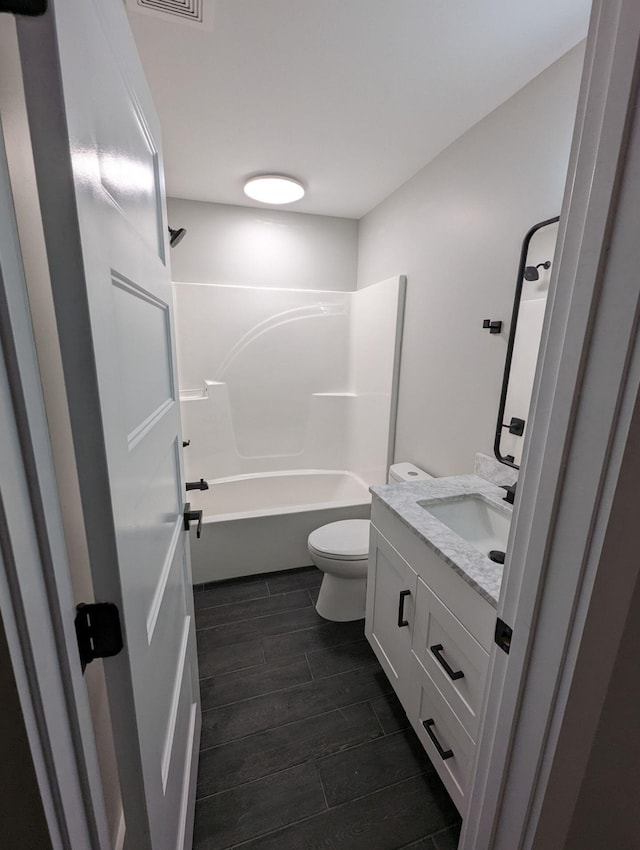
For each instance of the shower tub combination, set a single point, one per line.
(288, 407)
(260, 523)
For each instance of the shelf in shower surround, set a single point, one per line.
(193, 395)
(334, 395)
(201, 393)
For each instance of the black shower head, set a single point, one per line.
(532, 273)
(176, 236)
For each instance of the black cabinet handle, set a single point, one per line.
(401, 620)
(191, 516)
(444, 754)
(452, 674)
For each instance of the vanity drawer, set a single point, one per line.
(440, 641)
(449, 747)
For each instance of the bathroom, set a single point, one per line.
(318, 346)
(454, 230)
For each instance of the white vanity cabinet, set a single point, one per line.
(433, 642)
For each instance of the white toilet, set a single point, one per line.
(341, 551)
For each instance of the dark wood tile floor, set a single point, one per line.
(304, 745)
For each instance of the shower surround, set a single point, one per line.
(288, 401)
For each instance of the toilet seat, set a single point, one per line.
(346, 540)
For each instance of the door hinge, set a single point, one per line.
(503, 635)
(98, 631)
(32, 8)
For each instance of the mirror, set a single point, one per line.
(532, 287)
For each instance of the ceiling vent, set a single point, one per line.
(195, 13)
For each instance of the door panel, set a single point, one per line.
(147, 377)
(99, 170)
(129, 161)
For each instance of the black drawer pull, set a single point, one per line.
(452, 674)
(401, 620)
(444, 754)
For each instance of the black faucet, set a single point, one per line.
(511, 492)
(197, 485)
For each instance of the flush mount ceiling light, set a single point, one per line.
(274, 189)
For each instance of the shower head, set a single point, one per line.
(176, 236)
(532, 273)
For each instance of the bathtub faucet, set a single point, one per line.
(197, 485)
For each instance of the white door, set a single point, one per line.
(99, 169)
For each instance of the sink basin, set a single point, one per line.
(475, 519)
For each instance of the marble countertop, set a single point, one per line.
(403, 500)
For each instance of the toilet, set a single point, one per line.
(341, 551)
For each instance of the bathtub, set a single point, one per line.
(260, 523)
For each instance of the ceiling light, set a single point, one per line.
(274, 189)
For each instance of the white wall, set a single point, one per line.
(242, 245)
(455, 230)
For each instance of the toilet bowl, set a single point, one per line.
(341, 551)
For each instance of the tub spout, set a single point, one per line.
(197, 485)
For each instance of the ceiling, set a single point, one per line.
(352, 97)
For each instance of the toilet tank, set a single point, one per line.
(407, 472)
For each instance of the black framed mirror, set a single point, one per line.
(529, 304)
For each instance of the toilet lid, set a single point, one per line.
(347, 540)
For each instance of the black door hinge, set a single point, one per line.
(32, 8)
(503, 635)
(98, 631)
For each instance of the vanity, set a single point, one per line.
(432, 594)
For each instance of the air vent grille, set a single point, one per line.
(194, 12)
(190, 9)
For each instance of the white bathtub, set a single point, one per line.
(260, 523)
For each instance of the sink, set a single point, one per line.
(475, 519)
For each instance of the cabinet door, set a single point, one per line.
(391, 598)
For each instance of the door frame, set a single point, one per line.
(36, 601)
(530, 765)
(560, 440)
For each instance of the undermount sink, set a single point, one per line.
(475, 519)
